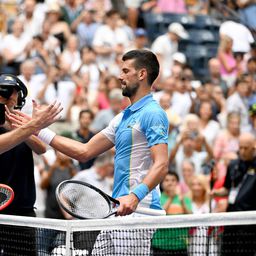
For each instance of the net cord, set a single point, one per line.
(118, 223)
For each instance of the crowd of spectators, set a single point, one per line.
(70, 50)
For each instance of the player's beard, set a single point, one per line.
(129, 91)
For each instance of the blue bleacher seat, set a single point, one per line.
(201, 36)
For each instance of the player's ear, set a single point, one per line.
(142, 74)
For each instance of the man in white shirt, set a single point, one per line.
(166, 45)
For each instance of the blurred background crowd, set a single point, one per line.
(70, 50)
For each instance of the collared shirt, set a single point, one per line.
(133, 131)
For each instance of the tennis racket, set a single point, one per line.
(84, 201)
(6, 196)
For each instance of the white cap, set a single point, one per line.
(178, 29)
(180, 57)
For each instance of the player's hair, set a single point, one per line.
(144, 59)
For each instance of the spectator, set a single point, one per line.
(240, 185)
(166, 45)
(197, 7)
(208, 127)
(85, 27)
(33, 82)
(227, 142)
(247, 10)
(133, 12)
(58, 28)
(188, 172)
(31, 18)
(71, 54)
(58, 86)
(185, 149)
(70, 10)
(140, 41)
(62, 169)
(238, 102)
(13, 48)
(240, 34)
(104, 116)
(109, 39)
(229, 67)
(83, 134)
(170, 241)
(214, 67)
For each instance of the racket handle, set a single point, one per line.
(150, 212)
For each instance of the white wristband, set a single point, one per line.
(46, 135)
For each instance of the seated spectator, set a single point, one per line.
(62, 169)
(197, 7)
(171, 241)
(83, 133)
(227, 142)
(100, 174)
(71, 54)
(214, 68)
(104, 116)
(238, 102)
(188, 171)
(70, 10)
(247, 10)
(208, 127)
(185, 149)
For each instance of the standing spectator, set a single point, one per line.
(85, 28)
(229, 67)
(240, 34)
(58, 85)
(109, 39)
(166, 45)
(247, 10)
(240, 187)
(13, 48)
(31, 18)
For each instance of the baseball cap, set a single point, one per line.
(139, 32)
(178, 29)
(180, 57)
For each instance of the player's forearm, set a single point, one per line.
(156, 174)
(15, 137)
(36, 145)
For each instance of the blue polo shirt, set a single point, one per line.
(139, 127)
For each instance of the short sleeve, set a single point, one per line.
(110, 130)
(155, 127)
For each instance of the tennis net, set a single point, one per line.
(192, 235)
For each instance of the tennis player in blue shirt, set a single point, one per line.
(139, 134)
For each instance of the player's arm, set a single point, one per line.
(157, 172)
(82, 151)
(36, 145)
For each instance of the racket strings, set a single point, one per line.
(84, 201)
(5, 195)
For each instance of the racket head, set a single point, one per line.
(6, 196)
(84, 201)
